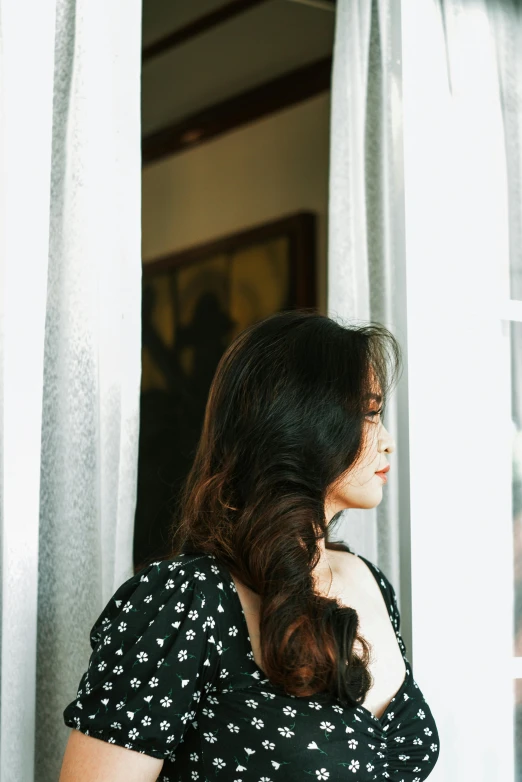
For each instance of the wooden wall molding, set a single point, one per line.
(280, 93)
(198, 26)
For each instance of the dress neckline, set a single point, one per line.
(250, 653)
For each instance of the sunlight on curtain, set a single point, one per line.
(70, 284)
(425, 235)
(457, 262)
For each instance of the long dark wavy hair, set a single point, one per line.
(286, 418)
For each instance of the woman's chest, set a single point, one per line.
(359, 590)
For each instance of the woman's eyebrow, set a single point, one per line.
(377, 397)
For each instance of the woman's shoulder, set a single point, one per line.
(365, 570)
(156, 643)
(147, 591)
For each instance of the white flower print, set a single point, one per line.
(327, 726)
(190, 677)
(286, 732)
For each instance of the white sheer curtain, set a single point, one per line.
(366, 233)
(70, 317)
(425, 208)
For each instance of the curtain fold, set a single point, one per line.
(424, 236)
(365, 229)
(70, 351)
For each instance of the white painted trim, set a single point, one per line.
(517, 667)
(512, 310)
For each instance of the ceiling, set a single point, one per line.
(253, 47)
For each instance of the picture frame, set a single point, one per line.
(195, 302)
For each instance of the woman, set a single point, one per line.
(259, 650)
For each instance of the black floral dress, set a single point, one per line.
(172, 674)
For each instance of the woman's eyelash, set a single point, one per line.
(375, 412)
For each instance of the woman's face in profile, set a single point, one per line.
(361, 487)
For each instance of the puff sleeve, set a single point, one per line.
(155, 655)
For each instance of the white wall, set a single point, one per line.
(260, 172)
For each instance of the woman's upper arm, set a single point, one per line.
(88, 759)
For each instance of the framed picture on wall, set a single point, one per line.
(194, 303)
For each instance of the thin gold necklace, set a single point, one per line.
(331, 578)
